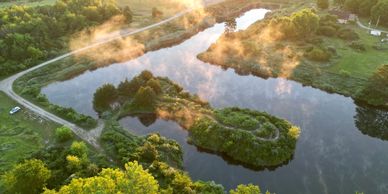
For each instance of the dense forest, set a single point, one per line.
(29, 35)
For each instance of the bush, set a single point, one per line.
(357, 46)
(347, 34)
(327, 31)
(344, 73)
(63, 134)
(318, 54)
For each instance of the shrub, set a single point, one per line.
(344, 73)
(245, 189)
(347, 34)
(327, 31)
(357, 46)
(318, 54)
(63, 134)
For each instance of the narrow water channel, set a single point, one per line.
(332, 155)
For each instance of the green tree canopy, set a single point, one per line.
(376, 91)
(104, 96)
(146, 75)
(129, 88)
(134, 179)
(78, 148)
(27, 177)
(155, 85)
(63, 134)
(145, 97)
(306, 22)
(246, 189)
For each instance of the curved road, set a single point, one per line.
(91, 136)
(361, 25)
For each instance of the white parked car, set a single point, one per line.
(14, 110)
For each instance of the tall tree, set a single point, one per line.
(145, 97)
(306, 22)
(104, 96)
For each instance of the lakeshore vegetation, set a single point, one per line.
(39, 156)
(59, 162)
(311, 47)
(253, 138)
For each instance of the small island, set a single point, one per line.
(253, 138)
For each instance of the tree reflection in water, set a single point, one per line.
(372, 121)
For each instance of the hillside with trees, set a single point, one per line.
(30, 35)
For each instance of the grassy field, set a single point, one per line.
(346, 73)
(21, 134)
(358, 64)
(142, 10)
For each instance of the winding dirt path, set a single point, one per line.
(277, 132)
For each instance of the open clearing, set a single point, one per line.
(21, 134)
(359, 64)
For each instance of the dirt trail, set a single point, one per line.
(277, 132)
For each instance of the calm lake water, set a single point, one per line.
(332, 155)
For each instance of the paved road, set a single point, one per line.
(89, 136)
(361, 25)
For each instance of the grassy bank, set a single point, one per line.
(341, 63)
(21, 134)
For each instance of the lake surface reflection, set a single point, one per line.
(332, 155)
